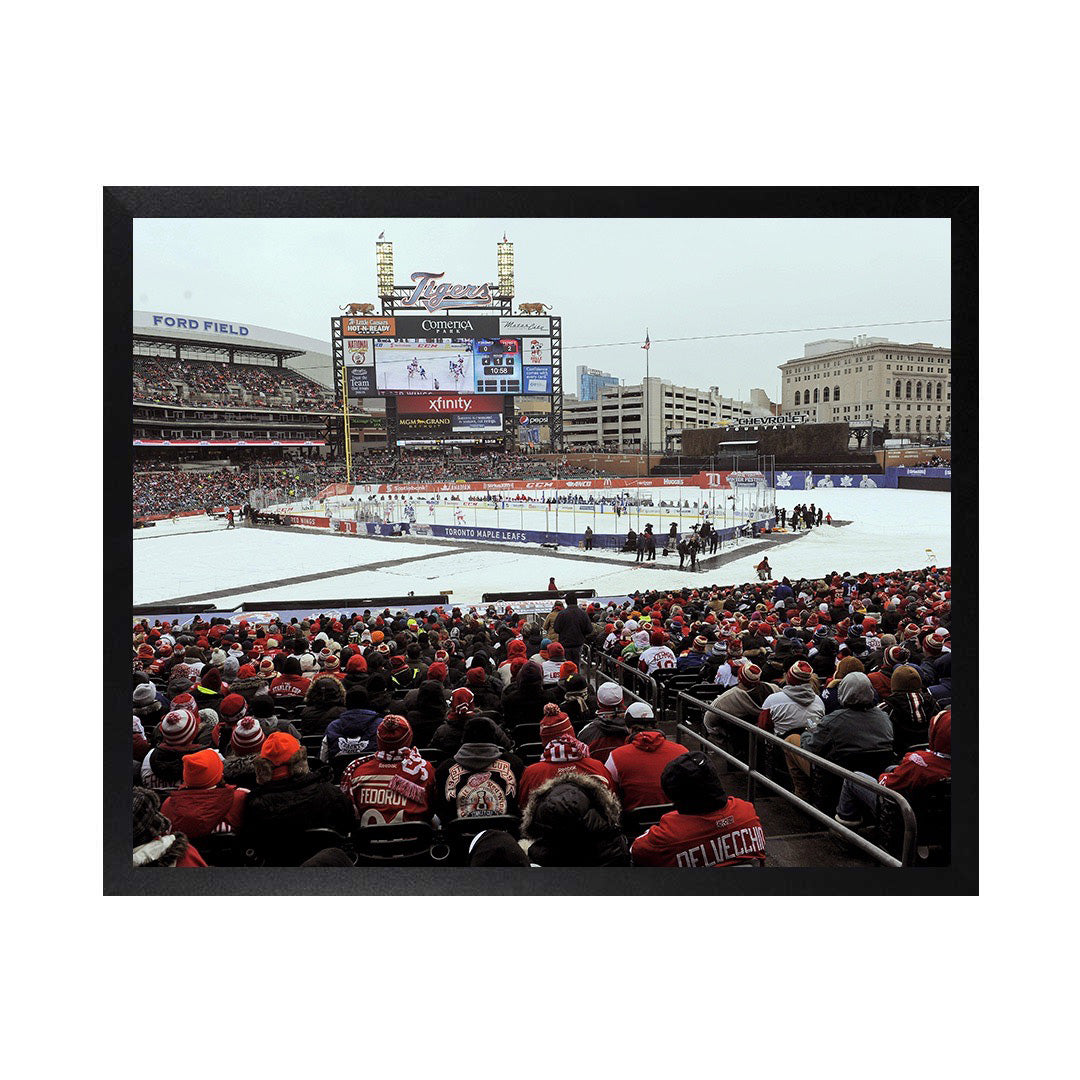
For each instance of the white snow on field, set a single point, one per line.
(890, 529)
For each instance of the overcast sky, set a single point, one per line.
(609, 279)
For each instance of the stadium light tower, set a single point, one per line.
(384, 267)
(506, 268)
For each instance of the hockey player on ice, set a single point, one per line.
(410, 513)
(459, 516)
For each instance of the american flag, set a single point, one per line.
(646, 345)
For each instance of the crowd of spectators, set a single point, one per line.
(160, 488)
(265, 730)
(938, 462)
(160, 381)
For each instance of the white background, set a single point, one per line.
(820, 94)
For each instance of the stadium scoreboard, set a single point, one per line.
(476, 360)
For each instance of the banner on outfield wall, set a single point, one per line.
(228, 442)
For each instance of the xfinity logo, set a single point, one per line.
(449, 404)
(434, 296)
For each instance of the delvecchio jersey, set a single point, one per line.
(722, 838)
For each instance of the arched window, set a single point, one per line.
(815, 395)
(918, 424)
(836, 393)
(908, 394)
(798, 397)
(939, 391)
(918, 391)
(825, 395)
(897, 392)
(907, 426)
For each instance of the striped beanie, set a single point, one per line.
(749, 674)
(247, 736)
(799, 672)
(179, 727)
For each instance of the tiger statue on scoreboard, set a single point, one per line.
(358, 309)
(533, 309)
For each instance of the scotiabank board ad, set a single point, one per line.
(441, 417)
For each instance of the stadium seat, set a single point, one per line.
(312, 743)
(933, 819)
(407, 843)
(431, 754)
(636, 821)
(459, 833)
(221, 849)
(530, 752)
(526, 733)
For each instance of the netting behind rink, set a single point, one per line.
(262, 497)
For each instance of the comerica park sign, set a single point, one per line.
(434, 295)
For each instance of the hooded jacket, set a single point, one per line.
(604, 734)
(353, 732)
(573, 820)
(741, 703)
(791, 710)
(197, 812)
(856, 728)
(480, 780)
(324, 703)
(450, 735)
(636, 766)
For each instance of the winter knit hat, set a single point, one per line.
(233, 707)
(179, 727)
(476, 676)
(145, 652)
(638, 711)
(609, 695)
(266, 666)
(144, 694)
(331, 663)
(279, 748)
(461, 701)
(203, 770)
(356, 665)
(896, 655)
(556, 651)
(555, 724)
(393, 733)
(905, 680)
(799, 672)
(749, 675)
(514, 648)
(657, 637)
(247, 737)
(567, 669)
(532, 674)
(211, 679)
(934, 642)
(847, 666)
(438, 671)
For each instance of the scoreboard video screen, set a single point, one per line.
(425, 365)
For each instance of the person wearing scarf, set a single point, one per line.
(563, 752)
(394, 785)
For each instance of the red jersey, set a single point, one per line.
(722, 838)
(385, 792)
(636, 767)
(918, 769)
(290, 686)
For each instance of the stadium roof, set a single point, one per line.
(227, 348)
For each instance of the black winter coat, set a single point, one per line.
(573, 820)
(277, 812)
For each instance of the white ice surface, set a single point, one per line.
(890, 529)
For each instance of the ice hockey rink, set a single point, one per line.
(198, 559)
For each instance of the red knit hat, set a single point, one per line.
(393, 733)
(476, 676)
(279, 747)
(568, 668)
(398, 663)
(266, 666)
(357, 664)
(245, 671)
(555, 651)
(179, 727)
(554, 724)
(657, 637)
(799, 672)
(204, 769)
(749, 674)
(146, 652)
(896, 654)
(935, 641)
(514, 648)
(247, 736)
(233, 707)
(461, 701)
(437, 671)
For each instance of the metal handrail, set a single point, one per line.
(593, 672)
(647, 680)
(755, 776)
